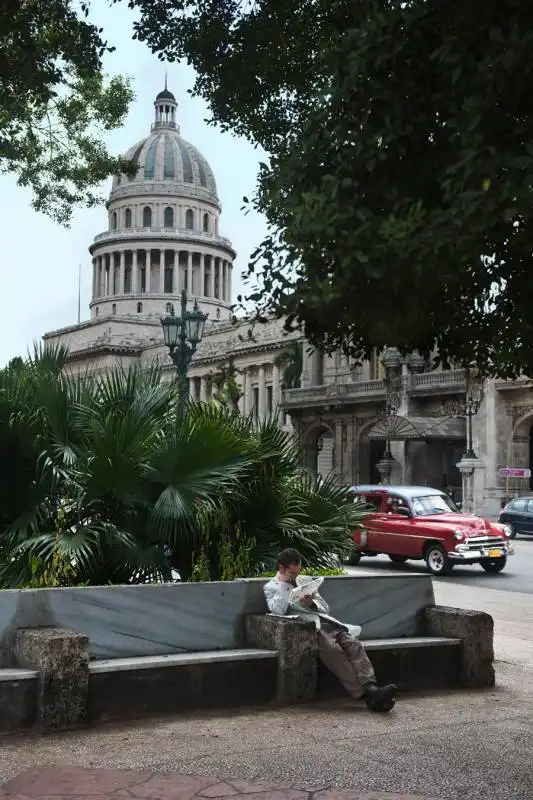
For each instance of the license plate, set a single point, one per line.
(495, 553)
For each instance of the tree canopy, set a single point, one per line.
(399, 184)
(56, 104)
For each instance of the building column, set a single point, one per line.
(134, 272)
(177, 280)
(100, 276)
(244, 389)
(203, 390)
(189, 273)
(94, 278)
(161, 271)
(212, 278)
(261, 411)
(230, 270)
(276, 392)
(202, 275)
(122, 271)
(148, 270)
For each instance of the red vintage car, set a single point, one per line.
(417, 522)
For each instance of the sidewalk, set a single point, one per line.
(443, 746)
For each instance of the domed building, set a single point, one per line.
(163, 231)
(163, 236)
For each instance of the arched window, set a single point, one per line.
(139, 308)
(168, 218)
(114, 221)
(189, 219)
(114, 308)
(169, 308)
(96, 311)
(206, 222)
(147, 217)
(127, 223)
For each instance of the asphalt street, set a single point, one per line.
(506, 597)
(516, 577)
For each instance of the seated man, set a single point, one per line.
(341, 652)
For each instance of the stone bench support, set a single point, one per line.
(61, 658)
(476, 631)
(296, 642)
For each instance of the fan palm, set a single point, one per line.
(102, 477)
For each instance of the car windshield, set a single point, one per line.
(432, 504)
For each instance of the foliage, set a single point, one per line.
(315, 573)
(399, 187)
(103, 482)
(55, 104)
(224, 384)
(291, 360)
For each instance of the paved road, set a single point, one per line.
(516, 577)
(507, 597)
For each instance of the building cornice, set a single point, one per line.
(144, 236)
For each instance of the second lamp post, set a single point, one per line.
(182, 335)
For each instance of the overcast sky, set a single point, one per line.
(41, 259)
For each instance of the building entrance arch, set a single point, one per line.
(318, 446)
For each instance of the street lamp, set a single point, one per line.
(473, 400)
(392, 365)
(182, 335)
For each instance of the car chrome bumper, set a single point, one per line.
(467, 556)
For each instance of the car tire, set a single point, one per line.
(355, 558)
(494, 564)
(437, 560)
(398, 559)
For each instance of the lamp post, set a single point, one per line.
(473, 400)
(182, 335)
(392, 366)
(470, 462)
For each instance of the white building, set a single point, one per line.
(163, 236)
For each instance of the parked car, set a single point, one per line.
(518, 515)
(417, 522)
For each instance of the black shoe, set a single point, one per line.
(380, 698)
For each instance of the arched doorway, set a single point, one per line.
(318, 447)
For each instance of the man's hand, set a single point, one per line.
(285, 577)
(307, 600)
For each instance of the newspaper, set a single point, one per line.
(306, 589)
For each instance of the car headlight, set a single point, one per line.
(507, 530)
(458, 535)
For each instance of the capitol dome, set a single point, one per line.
(164, 157)
(163, 231)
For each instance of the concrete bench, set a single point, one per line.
(72, 656)
(128, 687)
(453, 648)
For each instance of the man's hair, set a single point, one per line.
(288, 557)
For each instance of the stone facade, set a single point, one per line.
(163, 236)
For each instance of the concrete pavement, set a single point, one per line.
(441, 746)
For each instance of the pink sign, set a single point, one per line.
(514, 472)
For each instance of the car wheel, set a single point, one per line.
(493, 564)
(355, 558)
(437, 560)
(398, 559)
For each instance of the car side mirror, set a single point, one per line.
(404, 511)
(459, 505)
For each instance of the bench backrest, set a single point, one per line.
(124, 621)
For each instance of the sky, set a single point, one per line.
(42, 259)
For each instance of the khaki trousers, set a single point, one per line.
(346, 658)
